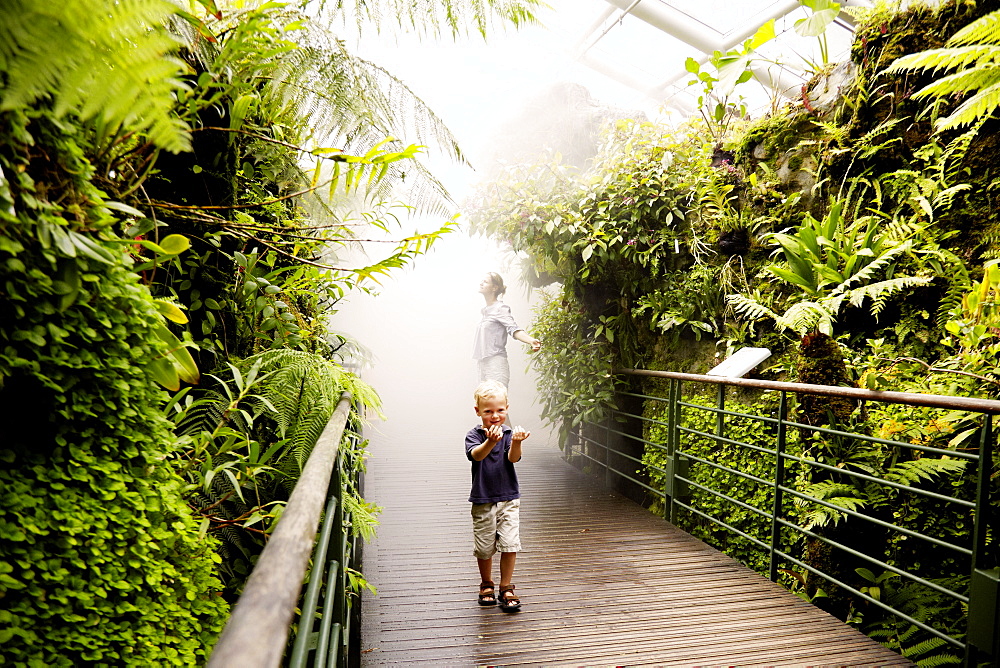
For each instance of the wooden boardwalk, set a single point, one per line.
(602, 581)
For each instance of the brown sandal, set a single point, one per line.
(487, 593)
(509, 602)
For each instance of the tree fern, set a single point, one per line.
(975, 52)
(110, 63)
(313, 92)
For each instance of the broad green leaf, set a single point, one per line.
(764, 34)
(163, 372)
(124, 208)
(816, 24)
(175, 244)
(170, 311)
(730, 71)
(179, 356)
(239, 111)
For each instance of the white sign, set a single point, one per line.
(739, 363)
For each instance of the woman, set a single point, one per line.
(490, 348)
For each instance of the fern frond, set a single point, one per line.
(984, 29)
(806, 316)
(834, 493)
(441, 17)
(364, 515)
(944, 199)
(937, 60)
(925, 468)
(110, 63)
(750, 308)
(954, 154)
(869, 271)
(882, 290)
(978, 107)
(959, 83)
(866, 146)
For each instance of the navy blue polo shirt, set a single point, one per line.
(493, 478)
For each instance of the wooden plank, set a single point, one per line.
(603, 581)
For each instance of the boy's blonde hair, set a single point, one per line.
(490, 389)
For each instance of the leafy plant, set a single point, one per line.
(91, 76)
(824, 13)
(832, 265)
(973, 51)
(730, 69)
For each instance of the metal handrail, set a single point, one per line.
(910, 398)
(982, 638)
(257, 631)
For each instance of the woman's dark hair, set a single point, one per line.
(497, 282)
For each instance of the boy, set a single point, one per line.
(493, 448)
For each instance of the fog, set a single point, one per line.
(419, 329)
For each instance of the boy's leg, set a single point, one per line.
(486, 569)
(484, 529)
(508, 537)
(507, 560)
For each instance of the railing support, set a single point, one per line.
(677, 464)
(984, 587)
(779, 481)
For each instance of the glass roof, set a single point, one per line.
(643, 44)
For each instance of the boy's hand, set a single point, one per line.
(520, 433)
(494, 434)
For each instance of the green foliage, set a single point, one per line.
(101, 558)
(448, 16)
(247, 441)
(824, 13)
(121, 254)
(906, 638)
(974, 51)
(745, 460)
(832, 264)
(638, 243)
(90, 75)
(729, 70)
(575, 380)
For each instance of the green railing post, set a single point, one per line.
(779, 480)
(667, 488)
(984, 588)
(338, 579)
(675, 465)
(720, 419)
(607, 452)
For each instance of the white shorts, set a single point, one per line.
(496, 527)
(495, 368)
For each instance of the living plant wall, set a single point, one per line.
(179, 183)
(852, 231)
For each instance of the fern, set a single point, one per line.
(113, 64)
(926, 468)
(837, 494)
(750, 308)
(975, 52)
(880, 292)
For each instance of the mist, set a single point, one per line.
(419, 330)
